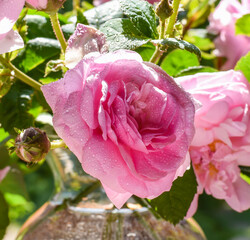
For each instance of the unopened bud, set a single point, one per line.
(48, 6)
(32, 145)
(164, 10)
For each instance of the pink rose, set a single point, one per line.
(222, 139)
(99, 2)
(9, 11)
(222, 22)
(127, 121)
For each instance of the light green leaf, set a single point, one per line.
(194, 70)
(122, 34)
(243, 65)
(242, 25)
(178, 60)
(142, 15)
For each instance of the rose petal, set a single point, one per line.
(85, 40)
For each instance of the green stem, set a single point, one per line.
(157, 53)
(58, 31)
(20, 75)
(76, 4)
(57, 144)
(173, 17)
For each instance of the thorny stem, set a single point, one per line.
(58, 31)
(173, 17)
(170, 26)
(21, 75)
(76, 4)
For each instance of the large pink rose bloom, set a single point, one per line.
(127, 121)
(222, 22)
(222, 140)
(9, 12)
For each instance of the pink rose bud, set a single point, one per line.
(222, 22)
(46, 5)
(9, 12)
(222, 142)
(32, 145)
(127, 121)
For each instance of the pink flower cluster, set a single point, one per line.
(222, 140)
(222, 22)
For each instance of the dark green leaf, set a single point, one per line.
(242, 25)
(194, 70)
(142, 15)
(5, 158)
(4, 218)
(14, 106)
(122, 34)
(6, 80)
(101, 14)
(178, 60)
(36, 52)
(181, 44)
(81, 18)
(243, 65)
(173, 205)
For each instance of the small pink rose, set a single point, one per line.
(222, 22)
(127, 121)
(221, 143)
(9, 12)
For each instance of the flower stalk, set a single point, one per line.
(21, 75)
(57, 144)
(57, 30)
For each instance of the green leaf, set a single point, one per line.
(5, 158)
(199, 37)
(173, 205)
(142, 15)
(194, 70)
(242, 25)
(36, 52)
(178, 60)
(101, 14)
(146, 52)
(14, 106)
(81, 18)
(122, 34)
(6, 81)
(4, 218)
(176, 43)
(243, 65)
